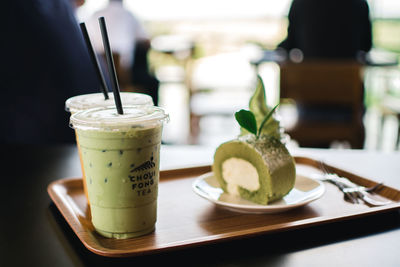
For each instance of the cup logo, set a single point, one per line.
(144, 166)
(142, 176)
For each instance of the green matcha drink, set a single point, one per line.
(87, 101)
(120, 156)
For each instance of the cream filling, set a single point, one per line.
(239, 172)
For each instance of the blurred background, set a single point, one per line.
(206, 55)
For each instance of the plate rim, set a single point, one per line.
(256, 208)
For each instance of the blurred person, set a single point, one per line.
(144, 81)
(45, 61)
(130, 41)
(77, 3)
(328, 29)
(325, 32)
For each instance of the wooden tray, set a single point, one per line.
(186, 220)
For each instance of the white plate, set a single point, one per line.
(305, 191)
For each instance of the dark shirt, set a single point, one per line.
(329, 29)
(141, 75)
(45, 61)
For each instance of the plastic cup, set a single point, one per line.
(88, 101)
(120, 155)
(83, 102)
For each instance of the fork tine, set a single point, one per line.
(322, 167)
(352, 198)
(374, 188)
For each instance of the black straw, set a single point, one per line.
(110, 64)
(95, 61)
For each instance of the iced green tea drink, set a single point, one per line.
(120, 155)
(87, 101)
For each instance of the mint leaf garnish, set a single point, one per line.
(247, 120)
(258, 105)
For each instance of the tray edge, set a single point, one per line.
(167, 174)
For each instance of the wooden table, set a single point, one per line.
(36, 234)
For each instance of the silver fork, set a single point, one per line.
(363, 193)
(352, 191)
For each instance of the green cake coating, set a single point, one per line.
(258, 169)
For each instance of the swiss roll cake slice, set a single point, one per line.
(260, 169)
